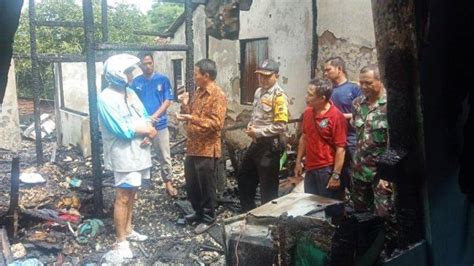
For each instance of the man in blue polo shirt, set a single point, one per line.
(156, 94)
(344, 92)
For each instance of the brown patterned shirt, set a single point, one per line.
(208, 107)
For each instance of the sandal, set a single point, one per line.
(170, 190)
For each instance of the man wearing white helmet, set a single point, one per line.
(124, 124)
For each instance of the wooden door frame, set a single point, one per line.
(243, 43)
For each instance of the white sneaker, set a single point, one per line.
(123, 248)
(113, 257)
(137, 237)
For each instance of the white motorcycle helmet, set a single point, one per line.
(116, 67)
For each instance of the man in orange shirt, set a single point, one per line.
(204, 114)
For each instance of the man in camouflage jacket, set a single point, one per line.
(369, 118)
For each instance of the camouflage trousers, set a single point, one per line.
(366, 197)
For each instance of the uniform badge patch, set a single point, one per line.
(159, 87)
(323, 123)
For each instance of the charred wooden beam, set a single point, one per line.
(93, 112)
(185, 1)
(397, 52)
(188, 31)
(65, 24)
(314, 39)
(151, 33)
(208, 247)
(222, 19)
(35, 83)
(53, 58)
(139, 47)
(105, 23)
(15, 184)
(6, 256)
(14, 197)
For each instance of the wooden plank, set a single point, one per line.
(253, 53)
(14, 195)
(6, 257)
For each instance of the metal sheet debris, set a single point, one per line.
(295, 204)
(47, 127)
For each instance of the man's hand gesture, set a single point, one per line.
(183, 117)
(184, 98)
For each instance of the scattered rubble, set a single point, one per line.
(57, 224)
(18, 251)
(56, 221)
(47, 127)
(31, 178)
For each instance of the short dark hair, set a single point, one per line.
(373, 68)
(337, 61)
(323, 87)
(144, 54)
(207, 66)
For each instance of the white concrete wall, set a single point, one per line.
(73, 128)
(226, 54)
(10, 138)
(288, 26)
(348, 19)
(285, 23)
(75, 91)
(345, 28)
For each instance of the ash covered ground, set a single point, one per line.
(52, 240)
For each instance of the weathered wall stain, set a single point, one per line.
(355, 55)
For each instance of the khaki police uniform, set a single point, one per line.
(261, 163)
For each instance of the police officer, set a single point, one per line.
(261, 163)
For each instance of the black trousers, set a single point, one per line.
(347, 168)
(200, 175)
(316, 180)
(261, 164)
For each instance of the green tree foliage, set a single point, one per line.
(162, 15)
(122, 21)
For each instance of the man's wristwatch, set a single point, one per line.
(335, 175)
